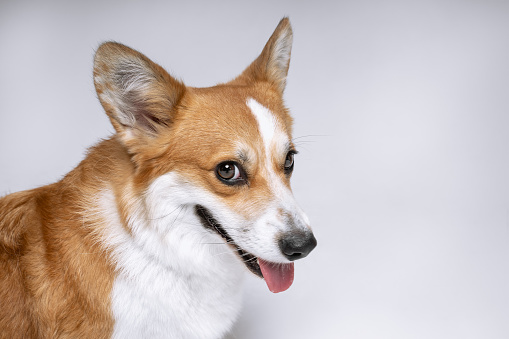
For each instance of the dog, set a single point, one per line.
(150, 235)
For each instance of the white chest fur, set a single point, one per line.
(167, 304)
(175, 278)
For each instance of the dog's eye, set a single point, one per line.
(229, 172)
(289, 162)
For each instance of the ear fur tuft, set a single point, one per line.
(138, 95)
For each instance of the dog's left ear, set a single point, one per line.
(138, 95)
(273, 63)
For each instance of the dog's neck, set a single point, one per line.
(162, 254)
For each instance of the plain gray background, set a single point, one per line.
(402, 107)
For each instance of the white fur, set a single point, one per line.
(175, 278)
(260, 238)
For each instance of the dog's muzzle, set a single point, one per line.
(294, 244)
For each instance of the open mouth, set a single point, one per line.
(279, 277)
(210, 222)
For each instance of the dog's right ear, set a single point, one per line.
(273, 63)
(138, 95)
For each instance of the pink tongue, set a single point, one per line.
(279, 277)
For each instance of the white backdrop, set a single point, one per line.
(403, 111)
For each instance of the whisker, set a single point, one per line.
(221, 253)
(251, 259)
(311, 136)
(167, 215)
(304, 142)
(182, 207)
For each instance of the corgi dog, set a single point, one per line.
(151, 234)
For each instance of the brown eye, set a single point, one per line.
(229, 173)
(289, 162)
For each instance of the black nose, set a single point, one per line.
(296, 244)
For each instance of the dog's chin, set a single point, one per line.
(209, 222)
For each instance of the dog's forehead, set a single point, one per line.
(271, 128)
(267, 123)
(238, 115)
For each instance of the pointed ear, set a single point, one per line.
(138, 95)
(273, 63)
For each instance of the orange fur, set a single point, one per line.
(57, 275)
(55, 278)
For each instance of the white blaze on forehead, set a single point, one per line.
(281, 213)
(270, 129)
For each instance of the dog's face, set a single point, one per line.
(224, 151)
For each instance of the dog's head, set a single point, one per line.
(225, 151)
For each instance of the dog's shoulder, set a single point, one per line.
(18, 212)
